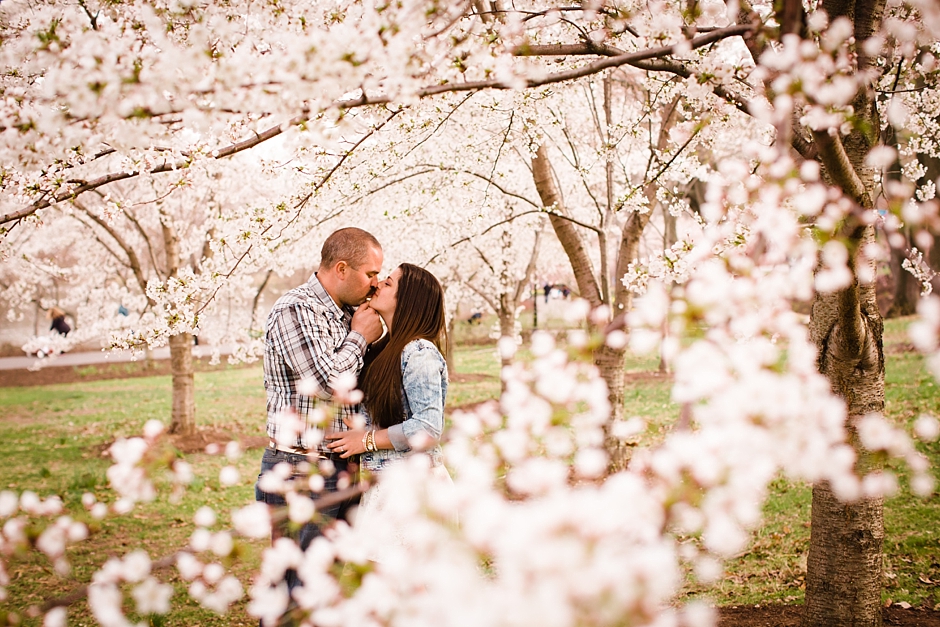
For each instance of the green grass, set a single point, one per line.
(912, 525)
(475, 377)
(55, 435)
(53, 438)
(774, 568)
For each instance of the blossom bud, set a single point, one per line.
(205, 516)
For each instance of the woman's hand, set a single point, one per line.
(347, 443)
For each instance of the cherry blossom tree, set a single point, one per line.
(160, 263)
(96, 95)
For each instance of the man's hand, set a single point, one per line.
(367, 322)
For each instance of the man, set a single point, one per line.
(313, 333)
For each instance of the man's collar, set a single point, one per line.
(324, 297)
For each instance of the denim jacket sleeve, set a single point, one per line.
(424, 388)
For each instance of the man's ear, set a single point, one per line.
(340, 268)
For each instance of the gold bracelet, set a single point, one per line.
(365, 440)
(370, 442)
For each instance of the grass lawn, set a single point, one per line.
(53, 438)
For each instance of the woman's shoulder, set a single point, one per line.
(420, 349)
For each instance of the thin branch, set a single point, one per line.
(439, 125)
(140, 229)
(92, 18)
(499, 152)
(594, 67)
(665, 167)
(489, 180)
(544, 211)
(395, 181)
(531, 266)
(575, 160)
(483, 257)
(110, 251)
(486, 298)
(257, 298)
(326, 177)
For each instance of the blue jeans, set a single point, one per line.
(301, 470)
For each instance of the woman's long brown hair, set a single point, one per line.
(419, 314)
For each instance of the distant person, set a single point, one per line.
(548, 291)
(475, 318)
(59, 325)
(565, 292)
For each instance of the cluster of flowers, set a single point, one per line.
(30, 521)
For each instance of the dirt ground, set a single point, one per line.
(737, 616)
(74, 374)
(203, 438)
(789, 616)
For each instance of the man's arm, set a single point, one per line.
(308, 346)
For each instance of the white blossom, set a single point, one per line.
(152, 597)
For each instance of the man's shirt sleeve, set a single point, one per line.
(307, 344)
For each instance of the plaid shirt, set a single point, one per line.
(307, 335)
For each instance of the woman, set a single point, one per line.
(404, 382)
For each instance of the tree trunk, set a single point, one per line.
(844, 564)
(843, 579)
(933, 260)
(610, 364)
(183, 419)
(183, 416)
(670, 237)
(906, 287)
(608, 361)
(507, 321)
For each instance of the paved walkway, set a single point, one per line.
(96, 357)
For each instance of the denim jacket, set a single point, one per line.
(424, 390)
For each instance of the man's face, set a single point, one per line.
(360, 283)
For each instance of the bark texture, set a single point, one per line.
(183, 420)
(846, 547)
(843, 580)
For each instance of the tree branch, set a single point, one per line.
(132, 258)
(569, 238)
(363, 100)
(839, 168)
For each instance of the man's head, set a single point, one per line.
(350, 262)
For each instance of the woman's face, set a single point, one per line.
(386, 295)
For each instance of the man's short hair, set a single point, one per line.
(351, 245)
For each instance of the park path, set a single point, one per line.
(86, 358)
